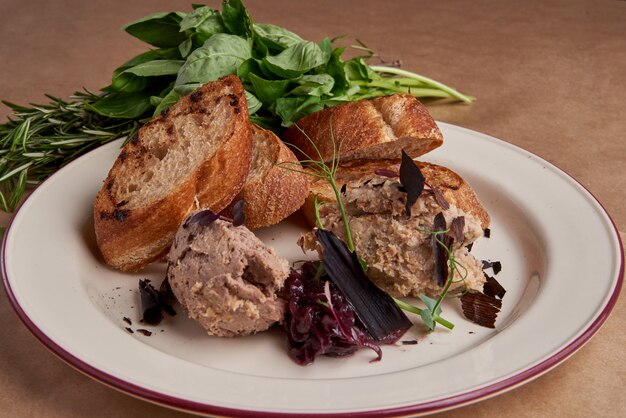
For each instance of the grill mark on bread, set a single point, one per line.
(172, 165)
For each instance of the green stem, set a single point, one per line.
(342, 209)
(415, 91)
(452, 266)
(414, 309)
(429, 81)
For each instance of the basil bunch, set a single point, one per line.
(285, 76)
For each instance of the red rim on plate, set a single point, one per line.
(464, 398)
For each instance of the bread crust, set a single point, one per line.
(279, 191)
(454, 188)
(371, 129)
(130, 235)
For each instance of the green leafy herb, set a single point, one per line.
(285, 77)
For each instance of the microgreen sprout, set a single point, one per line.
(321, 169)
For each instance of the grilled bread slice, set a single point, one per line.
(455, 190)
(197, 154)
(373, 129)
(274, 188)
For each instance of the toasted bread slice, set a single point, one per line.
(454, 188)
(372, 129)
(195, 155)
(274, 188)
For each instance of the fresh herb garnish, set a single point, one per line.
(285, 77)
(412, 180)
(239, 217)
(153, 302)
(382, 318)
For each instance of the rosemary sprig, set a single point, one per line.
(38, 140)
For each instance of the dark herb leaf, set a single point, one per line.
(497, 267)
(413, 181)
(493, 288)
(440, 251)
(456, 227)
(203, 217)
(166, 297)
(487, 232)
(384, 172)
(150, 306)
(480, 308)
(440, 198)
(376, 309)
(239, 217)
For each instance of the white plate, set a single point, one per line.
(562, 268)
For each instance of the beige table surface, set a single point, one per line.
(550, 76)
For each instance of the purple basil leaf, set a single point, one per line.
(204, 217)
(457, 226)
(440, 198)
(440, 253)
(150, 306)
(413, 181)
(493, 288)
(384, 172)
(239, 218)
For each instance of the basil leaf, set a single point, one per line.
(158, 29)
(221, 55)
(290, 109)
(268, 90)
(327, 48)
(314, 85)
(247, 67)
(356, 69)
(185, 47)
(295, 60)
(236, 18)
(253, 103)
(156, 68)
(123, 105)
(204, 21)
(335, 68)
(174, 96)
(130, 83)
(275, 37)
